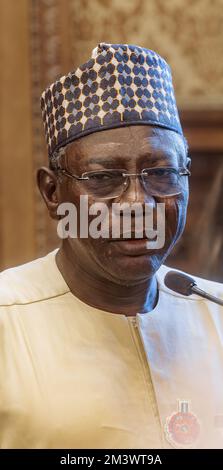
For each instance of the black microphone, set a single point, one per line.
(186, 285)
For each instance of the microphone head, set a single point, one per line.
(179, 282)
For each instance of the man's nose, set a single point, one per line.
(135, 192)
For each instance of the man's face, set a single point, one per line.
(132, 148)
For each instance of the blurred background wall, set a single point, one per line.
(41, 40)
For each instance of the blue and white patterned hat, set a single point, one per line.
(120, 85)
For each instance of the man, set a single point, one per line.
(96, 352)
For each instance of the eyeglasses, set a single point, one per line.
(108, 184)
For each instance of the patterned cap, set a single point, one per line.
(120, 85)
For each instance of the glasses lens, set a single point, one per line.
(163, 181)
(104, 184)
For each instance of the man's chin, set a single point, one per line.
(128, 269)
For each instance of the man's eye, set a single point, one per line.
(160, 172)
(102, 176)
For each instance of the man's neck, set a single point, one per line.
(106, 294)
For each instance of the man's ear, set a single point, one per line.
(48, 186)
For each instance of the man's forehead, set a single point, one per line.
(144, 139)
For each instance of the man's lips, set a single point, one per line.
(132, 246)
(131, 239)
(134, 236)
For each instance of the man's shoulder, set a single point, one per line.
(212, 287)
(37, 280)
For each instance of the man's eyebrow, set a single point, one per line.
(156, 154)
(108, 160)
